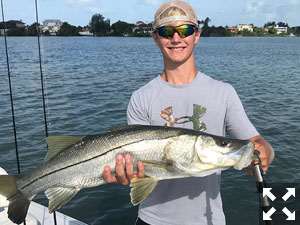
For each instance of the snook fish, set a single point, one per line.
(76, 162)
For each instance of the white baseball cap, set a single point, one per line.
(190, 14)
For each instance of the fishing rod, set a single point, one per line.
(259, 174)
(42, 82)
(10, 89)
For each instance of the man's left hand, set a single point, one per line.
(266, 153)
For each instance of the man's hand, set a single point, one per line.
(123, 175)
(266, 153)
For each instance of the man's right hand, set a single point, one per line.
(123, 175)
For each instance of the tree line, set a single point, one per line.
(100, 26)
(212, 31)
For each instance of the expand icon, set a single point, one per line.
(290, 192)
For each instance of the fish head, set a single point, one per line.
(224, 152)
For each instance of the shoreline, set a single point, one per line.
(54, 36)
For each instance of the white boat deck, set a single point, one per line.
(41, 213)
(37, 214)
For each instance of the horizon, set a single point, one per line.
(229, 13)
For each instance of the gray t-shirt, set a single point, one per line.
(217, 108)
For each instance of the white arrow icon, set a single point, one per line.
(267, 215)
(291, 216)
(290, 192)
(267, 192)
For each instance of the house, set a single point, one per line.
(141, 27)
(16, 23)
(11, 24)
(52, 26)
(281, 30)
(266, 29)
(242, 27)
(233, 30)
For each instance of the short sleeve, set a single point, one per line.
(237, 122)
(137, 110)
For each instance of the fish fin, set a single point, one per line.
(200, 173)
(18, 203)
(59, 196)
(124, 127)
(58, 143)
(158, 164)
(141, 188)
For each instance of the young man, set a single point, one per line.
(178, 93)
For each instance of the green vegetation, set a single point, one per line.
(32, 30)
(68, 30)
(296, 30)
(17, 31)
(100, 26)
(121, 28)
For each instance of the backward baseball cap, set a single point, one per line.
(190, 14)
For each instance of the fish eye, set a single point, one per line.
(224, 143)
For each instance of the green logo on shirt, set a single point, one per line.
(198, 111)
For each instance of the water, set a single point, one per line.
(89, 82)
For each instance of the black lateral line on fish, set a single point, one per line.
(89, 160)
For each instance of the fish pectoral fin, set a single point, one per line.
(59, 196)
(200, 172)
(186, 170)
(57, 144)
(141, 188)
(153, 163)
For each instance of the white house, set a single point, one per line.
(242, 27)
(142, 27)
(281, 30)
(52, 26)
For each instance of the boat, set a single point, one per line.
(37, 214)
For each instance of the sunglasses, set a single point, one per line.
(169, 31)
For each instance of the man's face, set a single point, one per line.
(177, 50)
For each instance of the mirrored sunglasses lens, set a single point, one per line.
(185, 30)
(166, 32)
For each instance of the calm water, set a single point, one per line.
(89, 82)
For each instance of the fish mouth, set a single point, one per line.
(247, 156)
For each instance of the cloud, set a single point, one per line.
(259, 12)
(153, 2)
(88, 5)
(294, 2)
(80, 2)
(253, 6)
(92, 9)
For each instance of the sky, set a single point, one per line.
(220, 12)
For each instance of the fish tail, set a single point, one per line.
(18, 202)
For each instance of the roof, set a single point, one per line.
(144, 25)
(10, 24)
(52, 21)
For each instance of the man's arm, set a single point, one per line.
(266, 152)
